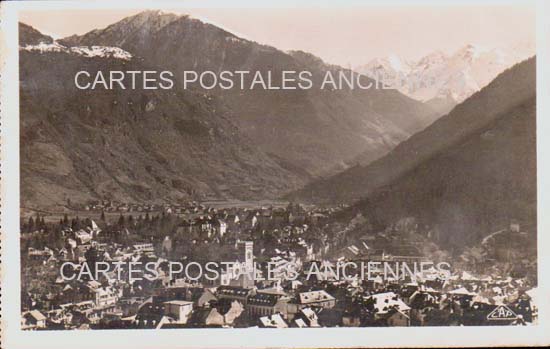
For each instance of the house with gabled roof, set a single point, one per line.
(272, 321)
(33, 320)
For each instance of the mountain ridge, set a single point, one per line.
(313, 130)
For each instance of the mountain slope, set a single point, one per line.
(508, 90)
(130, 145)
(30, 36)
(468, 174)
(473, 188)
(314, 130)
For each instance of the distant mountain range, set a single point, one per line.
(467, 174)
(180, 144)
(464, 174)
(442, 80)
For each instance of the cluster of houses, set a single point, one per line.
(218, 222)
(124, 207)
(193, 207)
(464, 301)
(462, 298)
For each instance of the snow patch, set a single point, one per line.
(234, 39)
(101, 51)
(43, 47)
(85, 51)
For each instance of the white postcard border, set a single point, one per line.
(14, 337)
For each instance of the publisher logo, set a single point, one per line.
(502, 312)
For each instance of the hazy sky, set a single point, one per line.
(345, 36)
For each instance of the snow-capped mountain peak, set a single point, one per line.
(391, 64)
(471, 52)
(435, 57)
(453, 78)
(398, 63)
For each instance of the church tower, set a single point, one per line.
(248, 281)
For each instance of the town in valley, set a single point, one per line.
(490, 283)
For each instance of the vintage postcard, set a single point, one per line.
(291, 174)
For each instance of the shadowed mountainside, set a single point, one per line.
(467, 174)
(132, 145)
(313, 129)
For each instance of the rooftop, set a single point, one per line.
(315, 296)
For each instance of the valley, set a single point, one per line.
(162, 139)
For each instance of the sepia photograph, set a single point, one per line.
(231, 168)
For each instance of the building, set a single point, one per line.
(222, 227)
(82, 236)
(272, 321)
(144, 247)
(206, 317)
(306, 317)
(102, 296)
(243, 275)
(178, 310)
(150, 315)
(230, 310)
(33, 320)
(234, 293)
(248, 282)
(266, 304)
(319, 298)
(197, 295)
(386, 302)
(395, 317)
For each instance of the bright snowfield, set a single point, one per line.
(437, 75)
(86, 51)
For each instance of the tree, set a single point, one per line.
(55, 239)
(103, 216)
(30, 227)
(121, 220)
(75, 224)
